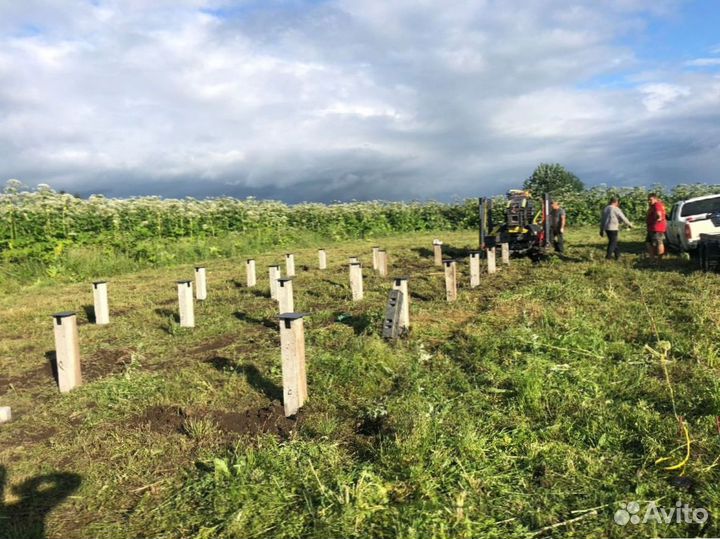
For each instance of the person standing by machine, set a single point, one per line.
(558, 220)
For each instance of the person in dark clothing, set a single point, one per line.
(558, 220)
(610, 221)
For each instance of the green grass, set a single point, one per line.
(531, 401)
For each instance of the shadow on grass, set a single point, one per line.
(89, 313)
(37, 496)
(360, 323)
(169, 313)
(51, 357)
(255, 378)
(626, 247)
(172, 317)
(267, 322)
(667, 265)
(448, 251)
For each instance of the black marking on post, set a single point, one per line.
(288, 318)
(391, 323)
(59, 316)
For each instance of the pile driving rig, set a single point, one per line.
(525, 229)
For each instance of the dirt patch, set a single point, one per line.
(26, 438)
(215, 344)
(265, 420)
(32, 378)
(106, 362)
(163, 419)
(270, 419)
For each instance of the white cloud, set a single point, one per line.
(704, 62)
(345, 98)
(659, 95)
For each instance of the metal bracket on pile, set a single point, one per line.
(391, 323)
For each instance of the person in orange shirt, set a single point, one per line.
(656, 227)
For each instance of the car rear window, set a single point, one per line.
(698, 207)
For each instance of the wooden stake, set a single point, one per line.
(401, 283)
(5, 414)
(437, 252)
(505, 253)
(356, 281)
(200, 283)
(250, 271)
(322, 259)
(290, 264)
(474, 269)
(490, 252)
(292, 351)
(100, 299)
(274, 275)
(286, 303)
(450, 280)
(67, 351)
(375, 257)
(187, 307)
(382, 263)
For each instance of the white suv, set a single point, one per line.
(690, 218)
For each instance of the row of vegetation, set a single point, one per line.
(48, 233)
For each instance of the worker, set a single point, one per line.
(558, 220)
(656, 227)
(610, 221)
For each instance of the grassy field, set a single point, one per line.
(533, 406)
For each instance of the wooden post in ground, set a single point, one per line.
(200, 283)
(290, 265)
(356, 281)
(67, 351)
(292, 351)
(100, 299)
(322, 259)
(401, 283)
(474, 269)
(375, 257)
(505, 252)
(185, 300)
(5, 414)
(382, 263)
(286, 303)
(250, 272)
(273, 275)
(450, 279)
(490, 252)
(437, 252)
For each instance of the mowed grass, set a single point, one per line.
(533, 406)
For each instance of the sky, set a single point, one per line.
(304, 100)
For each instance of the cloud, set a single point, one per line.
(659, 95)
(704, 62)
(309, 100)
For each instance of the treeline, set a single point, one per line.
(40, 224)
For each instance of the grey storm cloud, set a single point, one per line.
(345, 99)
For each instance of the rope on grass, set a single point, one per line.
(662, 353)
